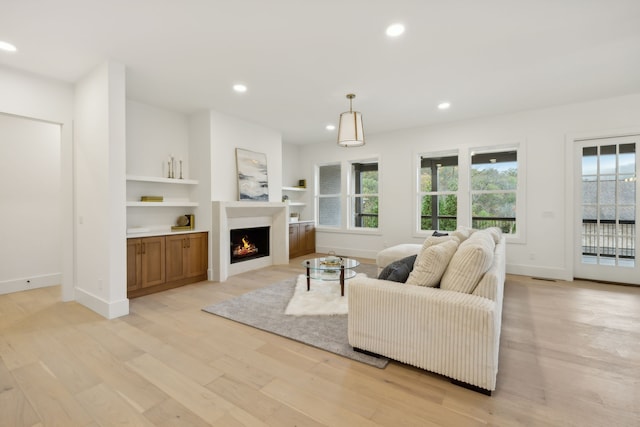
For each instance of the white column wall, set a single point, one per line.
(101, 191)
(229, 133)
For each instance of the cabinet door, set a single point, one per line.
(309, 238)
(153, 261)
(294, 240)
(176, 257)
(134, 264)
(197, 254)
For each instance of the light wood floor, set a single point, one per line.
(570, 356)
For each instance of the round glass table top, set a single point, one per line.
(330, 264)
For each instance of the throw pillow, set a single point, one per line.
(436, 240)
(431, 263)
(399, 270)
(463, 233)
(472, 259)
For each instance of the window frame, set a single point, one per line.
(318, 196)
(352, 196)
(464, 214)
(520, 216)
(419, 194)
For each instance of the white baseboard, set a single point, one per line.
(107, 309)
(349, 252)
(26, 283)
(541, 272)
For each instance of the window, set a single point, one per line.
(363, 199)
(494, 188)
(328, 197)
(438, 192)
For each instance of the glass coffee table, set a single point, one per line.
(324, 269)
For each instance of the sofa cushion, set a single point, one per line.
(395, 253)
(398, 271)
(431, 263)
(472, 259)
(463, 233)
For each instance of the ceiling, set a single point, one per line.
(299, 58)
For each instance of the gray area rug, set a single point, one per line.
(264, 309)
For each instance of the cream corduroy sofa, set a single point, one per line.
(451, 333)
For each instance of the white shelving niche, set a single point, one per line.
(152, 218)
(296, 199)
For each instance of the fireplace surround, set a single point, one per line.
(227, 216)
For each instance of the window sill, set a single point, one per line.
(364, 232)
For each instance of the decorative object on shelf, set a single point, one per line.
(253, 181)
(350, 130)
(285, 198)
(171, 167)
(302, 183)
(185, 222)
(151, 198)
(294, 217)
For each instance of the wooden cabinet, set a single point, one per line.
(158, 263)
(309, 239)
(302, 238)
(145, 262)
(186, 256)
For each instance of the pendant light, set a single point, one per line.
(350, 131)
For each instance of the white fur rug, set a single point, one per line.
(322, 299)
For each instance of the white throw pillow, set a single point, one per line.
(431, 263)
(436, 240)
(472, 259)
(463, 233)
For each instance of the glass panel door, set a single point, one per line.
(607, 208)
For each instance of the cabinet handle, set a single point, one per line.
(188, 243)
(184, 243)
(144, 248)
(138, 248)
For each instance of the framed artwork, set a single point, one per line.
(253, 183)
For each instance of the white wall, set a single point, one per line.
(101, 190)
(31, 204)
(153, 134)
(547, 250)
(229, 133)
(35, 97)
(200, 153)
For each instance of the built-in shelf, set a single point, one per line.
(161, 180)
(164, 204)
(294, 189)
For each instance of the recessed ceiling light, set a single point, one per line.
(395, 30)
(8, 47)
(240, 88)
(331, 127)
(444, 105)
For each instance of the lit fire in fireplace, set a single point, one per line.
(245, 249)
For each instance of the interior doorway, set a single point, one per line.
(31, 208)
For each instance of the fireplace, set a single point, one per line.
(248, 243)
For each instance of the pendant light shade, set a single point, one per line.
(350, 131)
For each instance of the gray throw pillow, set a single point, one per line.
(398, 271)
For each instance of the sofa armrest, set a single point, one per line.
(447, 332)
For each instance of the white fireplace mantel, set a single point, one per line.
(228, 215)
